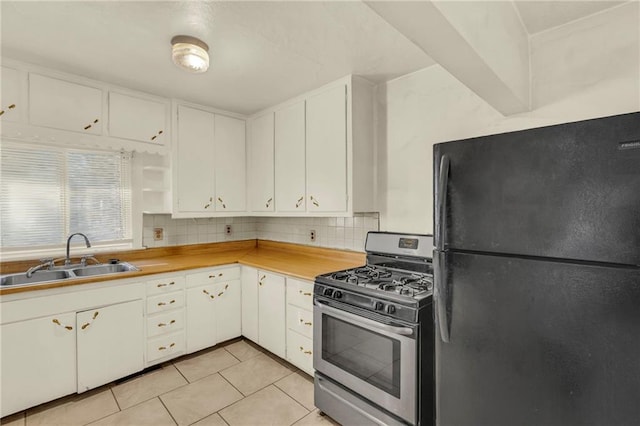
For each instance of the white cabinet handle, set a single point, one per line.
(299, 202)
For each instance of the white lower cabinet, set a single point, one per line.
(110, 343)
(164, 347)
(300, 324)
(213, 309)
(263, 309)
(38, 361)
(165, 318)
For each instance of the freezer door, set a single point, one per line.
(570, 191)
(538, 343)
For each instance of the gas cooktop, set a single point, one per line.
(404, 283)
(397, 279)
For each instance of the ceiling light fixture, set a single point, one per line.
(190, 53)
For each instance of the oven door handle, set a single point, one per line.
(402, 331)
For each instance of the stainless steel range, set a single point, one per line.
(373, 335)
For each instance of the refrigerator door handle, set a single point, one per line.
(441, 294)
(441, 203)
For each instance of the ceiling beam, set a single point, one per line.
(483, 44)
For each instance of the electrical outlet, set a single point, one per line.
(312, 235)
(227, 229)
(158, 234)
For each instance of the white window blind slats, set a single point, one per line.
(47, 193)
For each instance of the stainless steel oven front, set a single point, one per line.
(370, 354)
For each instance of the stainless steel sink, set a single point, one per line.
(65, 273)
(36, 277)
(92, 270)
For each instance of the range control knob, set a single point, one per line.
(378, 306)
(327, 292)
(337, 294)
(390, 309)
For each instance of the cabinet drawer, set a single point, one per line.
(213, 276)
(165, 323)
(300, 293)
(165, 346)
(300, 320)
(300, 351)
(164, 285)
(165, 302)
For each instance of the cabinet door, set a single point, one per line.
(11, 105)
(261, 157)
(201, 317)
(327, 151)
(230, 164)
(271, 313)
(110, 343)
(138, 119)
(64, 105)
(195, 152)
(250, 303)
(290, 159)
(38, 361)
(228, 310)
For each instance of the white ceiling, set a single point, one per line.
(262, 52)
(540, 15)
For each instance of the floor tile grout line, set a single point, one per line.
(168, 411)
(115, 398)
(293, 399)
(180, 372)
(287, 393)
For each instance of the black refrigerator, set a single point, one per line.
(537, 276)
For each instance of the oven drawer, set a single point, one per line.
(300, 320)
(300, 351)
(300, 293)
(165, 323)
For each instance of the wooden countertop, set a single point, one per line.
(296, 260)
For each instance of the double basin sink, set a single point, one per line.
(65, 273)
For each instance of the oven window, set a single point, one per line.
(369, 356)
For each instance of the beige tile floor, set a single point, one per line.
(236, 383)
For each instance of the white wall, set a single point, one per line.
(585, 69)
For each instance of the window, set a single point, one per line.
(48, 193)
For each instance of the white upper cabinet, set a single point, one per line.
(194, 161)
(323, 143)
(261, 163)
(327, 151)
(135, 118)
(11, 97)
(230, 164)
(290, 158)
(210, 158)
(64, 105)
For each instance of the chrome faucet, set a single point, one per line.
(46, 263)
(67, 260)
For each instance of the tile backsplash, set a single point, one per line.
(334, 232)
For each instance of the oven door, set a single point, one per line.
(367, 353)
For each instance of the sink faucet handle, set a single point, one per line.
(48, 261)
(85, 258)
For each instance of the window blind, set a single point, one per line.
(48, 193)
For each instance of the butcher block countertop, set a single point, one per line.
(295, 260)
